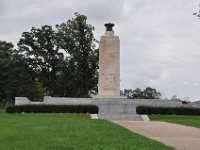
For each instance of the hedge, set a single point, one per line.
(167, 110)
(93, 109)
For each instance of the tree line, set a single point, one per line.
(147, 93)
(56, 61)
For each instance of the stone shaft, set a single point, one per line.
(109, 65)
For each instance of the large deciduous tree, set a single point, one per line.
(15, 75)
(64, 59)
(6, 60)
(77, 39)
(42, 55)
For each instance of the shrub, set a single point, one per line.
(53, 109)
(167, 110)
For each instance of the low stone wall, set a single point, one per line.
(66, 100)
(108, 105)
(25, 101)
(113, 105)
(22, 101)
(194, 104)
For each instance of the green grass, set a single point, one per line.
(193, 121)
(67, 132)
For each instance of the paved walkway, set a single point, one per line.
(178, 136)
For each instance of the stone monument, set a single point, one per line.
(109, 65)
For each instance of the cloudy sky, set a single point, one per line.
(160, 39)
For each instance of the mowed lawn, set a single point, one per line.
(67, 132)
(193, 121)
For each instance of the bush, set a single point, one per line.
(2, 106)
(167, 110)
(53, 109)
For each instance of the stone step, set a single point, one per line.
(120, 117)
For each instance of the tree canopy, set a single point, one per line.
(42, 54)
(15, 75)
(147, 93)
(77, 39)
(55, 61)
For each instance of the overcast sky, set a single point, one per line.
(160, 39)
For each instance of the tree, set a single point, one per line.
(137, 94)
(198, 13)
(126, 92)
(77, 39)
(150, 93)
(147, 93)
(15, 75)
(6, 54)
(64, 60)
(42, 55)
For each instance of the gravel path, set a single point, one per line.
(178, 136)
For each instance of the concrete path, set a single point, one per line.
(178, 136)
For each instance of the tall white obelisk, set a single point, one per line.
(109, 65)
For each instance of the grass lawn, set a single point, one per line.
(67, 132)
(193, 121)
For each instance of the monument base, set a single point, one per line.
(109, 96)
(109, 108)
